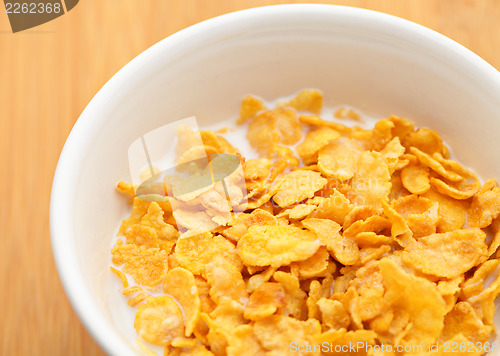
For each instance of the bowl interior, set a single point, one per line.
(377, 63)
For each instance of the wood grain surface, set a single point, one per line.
(48, 74)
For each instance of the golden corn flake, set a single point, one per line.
(463, 189)
(371, 239)
(418, 299)
(334, 314)
(180, 284)
(139, 209)
(314, 142)
(366, 293)
(342, 248)
(368, 254)
(148, 266)
(339, 158)
(426, 140)
(195, 252)
(431, 162)
(137, 299)
(447, 254)
(206, 303)
(244, 221)
(126, 188)
(257, 279)
(317, 121)
(315, 265)
(257, 168)
(307, 100)
(299, 211)
(392, 152)
(262, 133)
(265, 301)
(416, 179)
(288, 126)
(400, 231)
(295, 297)
(314, 295)
(243, 342)
(359, 213)
(336, 207)
(186, 139)
(153, 231)
(424, 224)
(463, 320)
(372, 181)
(377, 138)
(449, 290)
(484, 208)
(401, 127)
(297, 186)
(219, 144)
(120, 275)
(193, 220)
(225, 280)
(250, 106)
(159, 320)
(154, 219)
(277, 332)
(375, 223)
(452, 213)
(344, 236)
(276, 245)
(347, 113)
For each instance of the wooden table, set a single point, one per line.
(48, 75)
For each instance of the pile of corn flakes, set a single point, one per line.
(350, 236)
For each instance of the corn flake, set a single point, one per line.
(307, 100)
(336, 207)
(314, 266)
(159, 320)
(418, 299)
(276, 245)
(339, 158)
(426, 140)
(257, 279)
(276, 332)
(250, 106)
(372, 181)
(244, 221)
(452, 213)
(243, 342)
(295, 297)
(485, 207)
(180, 284)
(297, 186)
(314, 142)
(265, 301)
(447, 254)
(416, 179)
(148, 266)
(334, 314)
(195, 252)
(288, 126)
(342, 248)
(463, 320)
(225, 280)
(262, 133)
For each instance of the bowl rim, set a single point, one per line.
(73, 150)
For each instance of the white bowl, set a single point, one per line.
(376, 62)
